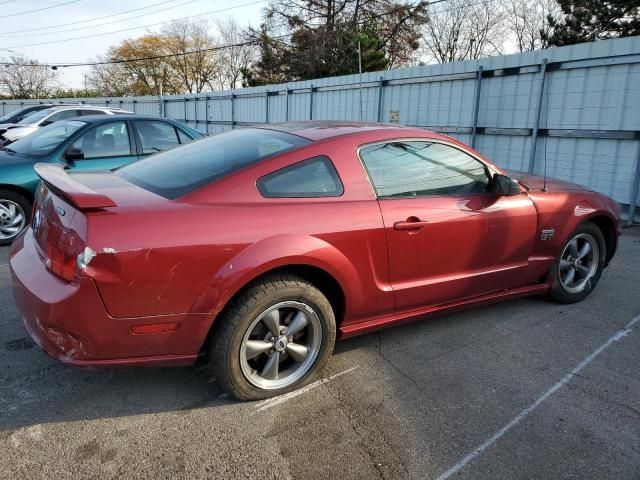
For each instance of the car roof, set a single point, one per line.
(317, 130)
(118, 116)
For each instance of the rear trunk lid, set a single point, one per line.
(64, 203)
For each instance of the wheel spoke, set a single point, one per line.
(564, 264)
(256, 347)
(571, 274)
(270, 370)
(585, 250)
(297, 352)
(584, 271)
(297, 324)
(272, 321)
(573, 247)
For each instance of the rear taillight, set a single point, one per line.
(63, 248)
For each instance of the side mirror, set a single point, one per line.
(44, 123)
(504, 186)
(73, 154)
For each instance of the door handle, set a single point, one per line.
(411, 223)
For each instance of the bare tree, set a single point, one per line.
(464, 30)
(197, 70)
(26, 78)
(529, 24)
(234, 60)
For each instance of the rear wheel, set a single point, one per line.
(274, 337)
(15, 210)
(579, 266)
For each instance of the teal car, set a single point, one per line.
(96, 142)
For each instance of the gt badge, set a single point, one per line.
(547, 234)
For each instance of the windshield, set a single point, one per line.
(45, 140)
(35, 117)
(11, 115)
(179, 171)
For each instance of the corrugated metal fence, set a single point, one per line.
(577, 106)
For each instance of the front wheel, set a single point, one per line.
(275, 337)
(579, 266)
(14, 215)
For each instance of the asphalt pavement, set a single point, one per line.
(522, 389)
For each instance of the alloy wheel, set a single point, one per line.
(281, 345)
(579, 262)
(12, 219)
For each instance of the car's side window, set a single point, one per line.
(419, 168)
(90, 112)
(61, 115)
(155, 136)
(106, 140)
(315, 177)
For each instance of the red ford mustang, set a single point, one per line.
(258, 246)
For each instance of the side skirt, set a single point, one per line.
(414, 315)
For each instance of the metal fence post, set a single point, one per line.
(536, 120)
(286, 111)
(476, 107)
(635, 190)
(380, 97)
(266, 107)
(184, 109)
(206, 114)
(233, 113)
(311, 102)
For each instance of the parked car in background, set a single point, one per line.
(42, 118)
(11, 118)
(84, 143)
(257, 246)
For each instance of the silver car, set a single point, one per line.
(42, 118)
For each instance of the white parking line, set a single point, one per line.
(272, 402)
(522, 415)
(4, 265)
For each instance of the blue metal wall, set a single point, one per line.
(586, 97)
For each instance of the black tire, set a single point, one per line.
(559, 291)
(22, 202)
(230, 327)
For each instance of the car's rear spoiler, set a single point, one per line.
(75, 192)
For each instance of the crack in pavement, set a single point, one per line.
(395, 367)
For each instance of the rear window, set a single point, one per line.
(181, 170)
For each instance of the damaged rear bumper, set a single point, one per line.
(70, 323)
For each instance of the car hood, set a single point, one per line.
(9, 158)
(537, 182)
(6, 126)
(18, 132)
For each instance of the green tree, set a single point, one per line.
(591, 20)
(320, 38)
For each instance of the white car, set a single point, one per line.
(42, 118)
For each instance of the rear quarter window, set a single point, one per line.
(315, 177)
(179, 171)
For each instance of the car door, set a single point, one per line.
(105, 146)
(448, 237)
(155, 136)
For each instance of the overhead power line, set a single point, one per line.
(88, 20)
(106, 23)
(135, 28)
(55, 66)
(40, 9)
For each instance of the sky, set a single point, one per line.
(48, 27)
